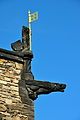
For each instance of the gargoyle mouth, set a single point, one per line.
(63, 86)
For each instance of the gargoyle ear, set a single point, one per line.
(17, 46)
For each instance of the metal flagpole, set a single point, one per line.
(30, 32)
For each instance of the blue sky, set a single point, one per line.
(56, 48)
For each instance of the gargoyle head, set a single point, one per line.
(58, 87)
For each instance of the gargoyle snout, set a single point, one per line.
(62, 86)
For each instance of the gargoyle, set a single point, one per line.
(28, 86)
(36, 88)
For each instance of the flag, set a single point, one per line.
(33, 17)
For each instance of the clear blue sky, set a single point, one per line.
(56, 48)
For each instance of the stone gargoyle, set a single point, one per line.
(36, 88)
(33, 87)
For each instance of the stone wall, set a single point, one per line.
(11, 104)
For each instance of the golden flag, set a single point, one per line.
(33, 17)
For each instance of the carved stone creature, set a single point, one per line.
(36, 88)
(28, 86)
(17, 46)
(25, 38)
(24, 44)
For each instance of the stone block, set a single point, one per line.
(8, 101)
(18, 66)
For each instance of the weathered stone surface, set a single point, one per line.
(3, 108)
(18, 66)
(11, 104)
(8, 101)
